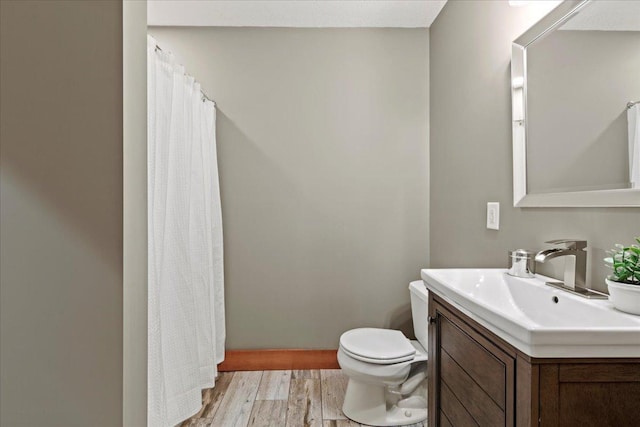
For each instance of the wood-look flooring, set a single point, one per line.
(310, 398)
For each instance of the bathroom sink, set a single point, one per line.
(537, 319)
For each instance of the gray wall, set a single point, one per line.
(61, 214)
(134, 214)
(322, 142)
(578, 86)
(470, 145)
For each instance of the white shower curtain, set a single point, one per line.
(186, 293)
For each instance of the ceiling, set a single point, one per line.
(294, 13)
(611, 15)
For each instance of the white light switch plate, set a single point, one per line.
(493, 215)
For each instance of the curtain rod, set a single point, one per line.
(204, 95)
(632, 103)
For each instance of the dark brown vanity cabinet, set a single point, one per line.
(477, 379)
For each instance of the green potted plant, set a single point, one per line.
(624, 282)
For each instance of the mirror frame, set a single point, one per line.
(597, 198)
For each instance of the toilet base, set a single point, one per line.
(367, 404)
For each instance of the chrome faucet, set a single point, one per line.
(575, 266)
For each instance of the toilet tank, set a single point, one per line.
(419, 311)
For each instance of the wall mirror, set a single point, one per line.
(575, 78)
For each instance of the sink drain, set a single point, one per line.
(555, 299)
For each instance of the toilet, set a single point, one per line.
(387, 371)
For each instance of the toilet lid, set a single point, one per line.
(373, 345)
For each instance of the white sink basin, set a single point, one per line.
(525, 313)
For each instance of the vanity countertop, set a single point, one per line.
(537, 319)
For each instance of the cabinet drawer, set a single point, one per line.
(485, 369)
(454, 411)
(472, 375)
(477, 403)
(444, 421)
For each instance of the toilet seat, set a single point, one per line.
(377, 346)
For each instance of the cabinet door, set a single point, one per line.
(473, 378)
(602, 394)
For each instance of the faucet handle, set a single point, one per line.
(570, 243)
